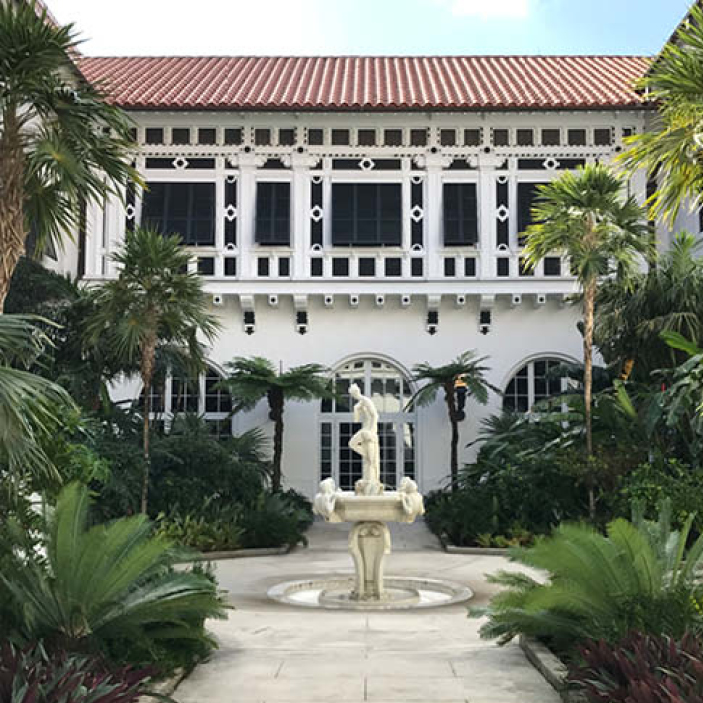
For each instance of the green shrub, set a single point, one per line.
(32, 676)
(641, 669)
(214, 532)
(275, 520)
(110, 584)
(652, 482)
(637, 577)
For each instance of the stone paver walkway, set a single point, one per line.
(272, 653)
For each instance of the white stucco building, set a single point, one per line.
(365, 213)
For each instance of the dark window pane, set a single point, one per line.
(340, 267)
(284, 266)
(552, 266)
(206, 266)
(450, 267)
(472, 137)
(207, 135)
(316, 137)
(367, 266)
(286, 137)
(393, 137)
(526, 195)
(577, 137)
(366, 214)
(416, 267)
(262, 137)
(316, 267)
(154, 135)
(524, 269)
(460, 214)
(551, 137)
(262, 266)
(418, 137)
(602, 137)
(233, 136)
(503, 266)
(447, 137)
(180, 135)
(230, 267)
(501, 137)
(340, 137)
(525, 137)
(366, 137)
(469, 267)
(393, 266)
(273, 213)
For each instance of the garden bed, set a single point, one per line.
(240, 554)
(480, 551)
(551, 667)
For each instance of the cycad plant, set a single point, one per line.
(467, 369)
(61, 144)
(153, 301)
(638, 576)
(108, 582)
(584, 215)
(253, 379)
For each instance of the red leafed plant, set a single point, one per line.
(642, 669)
(30, 675)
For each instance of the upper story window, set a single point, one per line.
(460, 214)
(367, 214)
(273, 213)
(526, 196)
(186, 209)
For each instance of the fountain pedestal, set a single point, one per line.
(369, 543)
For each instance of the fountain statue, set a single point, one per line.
(370, 508)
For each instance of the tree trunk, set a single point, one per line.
(589, 305)
(12, 223)
(147, 369)
(454, 454)
(276, 406)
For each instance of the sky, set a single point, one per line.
(375, 27)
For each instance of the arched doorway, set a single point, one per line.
(390, 390)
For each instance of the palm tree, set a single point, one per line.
(466, 371)
(253, 379)
(153, 301)
(584, 215)
(31, 407)
(672, 147)
(630, 319)
(61, 144)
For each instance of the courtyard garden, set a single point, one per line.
(106, 508)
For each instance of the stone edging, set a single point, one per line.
(485, 551)
(239, 554)
(551, 667)
(164, 688)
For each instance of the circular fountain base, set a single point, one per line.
(400, 594)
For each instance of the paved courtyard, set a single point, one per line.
(271, 653)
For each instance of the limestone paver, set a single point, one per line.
(273, 653)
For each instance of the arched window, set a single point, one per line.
(390, 390)
(199, 396)
(535, 381)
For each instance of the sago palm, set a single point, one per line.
(466, 368)
(585, 216)
(108, 581)
(671, 150)
(31, 407)
(61, 144)
(639, 576)
(153, 301)
(253, 379)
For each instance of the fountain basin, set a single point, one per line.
(387, 507)
(400, 593)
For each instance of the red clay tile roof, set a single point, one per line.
(369, 83)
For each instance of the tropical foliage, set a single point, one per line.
(585, 216)
(109, 583)
(638, 576)
(641, 668)
(153, 302)
(250, 380)
(469, 371)
(61, 143)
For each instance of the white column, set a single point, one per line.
(487, 165)
(246, 211)
(434, 163)
(300, 212)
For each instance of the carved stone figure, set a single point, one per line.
(325, 500)
(413, 504)
(365, 443)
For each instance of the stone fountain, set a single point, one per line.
(370, 508)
